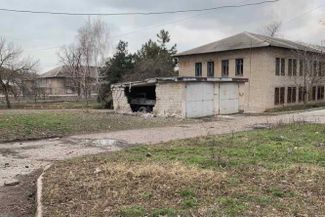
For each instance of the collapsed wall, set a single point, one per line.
(120, 101)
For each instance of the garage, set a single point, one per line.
(228, 98)
(199, 100)
(183, 97)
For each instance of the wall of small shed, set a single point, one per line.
(170, 100)
(120, 101)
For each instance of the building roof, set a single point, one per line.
(62, 72)
(246, 40)
(153, 81)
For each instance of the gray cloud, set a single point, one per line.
(39, 34)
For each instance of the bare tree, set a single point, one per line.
(71, 59)
(272, 29)
(33, 88)
(93, 40)
(13, 69)
(84, 57)
(311, 74)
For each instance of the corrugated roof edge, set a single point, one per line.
(152, 81)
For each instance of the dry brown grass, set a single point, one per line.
(275, 172)
(108, 189)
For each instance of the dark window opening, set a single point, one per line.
(290, 67)
(141, 98)
(315, 68)
(198, 69)
(320, 93)
(279, 66)
(225, 68)
(239, 67)
(292, 95)
(302, 94)
(210, 69)
(279, 93)
(313, 93)
(294, 67)
(283, 65)
(282, 93)
(277, 96)
(301, 67)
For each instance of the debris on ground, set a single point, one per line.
(262, 126)
(11, 182)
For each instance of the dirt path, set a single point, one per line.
(22, 158)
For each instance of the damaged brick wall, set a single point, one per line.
(120, 101)
(170, 100)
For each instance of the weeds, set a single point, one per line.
(278, 172)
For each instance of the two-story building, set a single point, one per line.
(279, 72)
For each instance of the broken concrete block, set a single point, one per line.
(11, 182)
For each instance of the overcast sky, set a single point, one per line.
(41, 35)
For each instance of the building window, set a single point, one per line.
(210, 69)
(277, 66)
(301, 67)
(239, 67)
(315, 68)
(280, 66)
(313, 93)
(292, 67)
(320, 92)
(292, 95)
(302, 94)
(283, 66)
(198, 69)
(225, 68)
(279, 95)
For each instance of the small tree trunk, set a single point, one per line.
(7, 97)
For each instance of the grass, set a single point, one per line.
(274, 172)
(24, 125)
(92, 104)
(295, 108)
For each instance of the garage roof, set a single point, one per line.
(153, 81)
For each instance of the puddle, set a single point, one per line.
(105, 142)
(100, 143)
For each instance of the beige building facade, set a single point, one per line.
(272, 67)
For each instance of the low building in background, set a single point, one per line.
(61, 81)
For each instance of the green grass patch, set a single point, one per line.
(135, 211)
(278, 172)
(164, 212)
(24, 125)
(262, 147)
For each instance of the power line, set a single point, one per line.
(304, 13)
(145, 28)
(135, 13)
(166, 23)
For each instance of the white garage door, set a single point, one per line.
(199, 100)
(229, 98)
